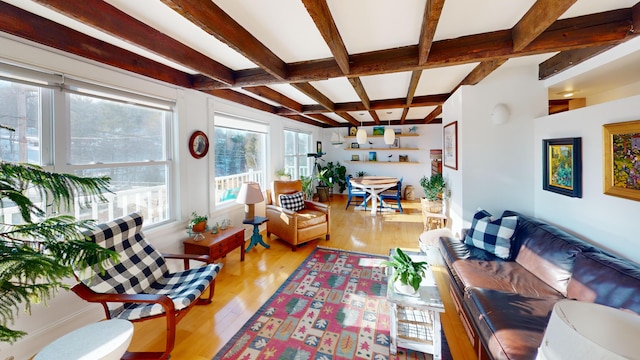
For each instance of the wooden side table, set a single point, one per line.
(217, 245)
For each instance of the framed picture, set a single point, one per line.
(319, 147)
(373, 156)
(396, 144)
(450, 141)
(621, 143)
(355, 145)
(353, 130)
(397, 131)
(562, 166)
(378, 130)
(403, 158)
(355, 157)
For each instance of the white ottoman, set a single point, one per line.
(104, 340)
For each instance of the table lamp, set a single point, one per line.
(582, 330)
(249, 195)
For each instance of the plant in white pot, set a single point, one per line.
(407, 274)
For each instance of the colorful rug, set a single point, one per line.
(331, 307)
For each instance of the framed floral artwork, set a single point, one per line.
(621, 142)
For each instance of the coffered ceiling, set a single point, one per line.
(327, 62)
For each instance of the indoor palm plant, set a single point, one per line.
(406, 272)
(40, 251)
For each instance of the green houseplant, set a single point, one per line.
(434, 187)
(406, 271)
(40, 251)
(307, 186)
(282, 174)
(332, 175)
(198, 223)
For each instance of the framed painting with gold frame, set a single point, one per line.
(621, 149)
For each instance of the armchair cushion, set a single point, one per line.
(293, 202)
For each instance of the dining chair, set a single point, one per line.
(394, 193)
(355, 193)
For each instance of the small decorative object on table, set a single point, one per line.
(407, 274)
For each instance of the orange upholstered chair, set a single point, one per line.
(295, 226)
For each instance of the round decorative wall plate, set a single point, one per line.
(198, 144)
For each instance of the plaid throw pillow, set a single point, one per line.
(294, 202)
(492, 236)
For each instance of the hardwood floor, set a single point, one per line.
(242, 287)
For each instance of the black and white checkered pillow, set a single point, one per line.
(294, 202)
(493, 236)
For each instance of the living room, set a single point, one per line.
(499, 166)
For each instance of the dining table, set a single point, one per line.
(373, 185)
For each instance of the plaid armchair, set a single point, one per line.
(139, 286)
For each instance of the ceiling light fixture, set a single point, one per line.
(361, 135)
(568, 93)
(389, 135)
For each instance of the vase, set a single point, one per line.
(404, 289)
(199, 227)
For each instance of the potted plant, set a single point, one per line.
(307, 186)
(434, 187)
(282, 174)
(198, 223)
(39, 252)
(407, 274)
(332, 175)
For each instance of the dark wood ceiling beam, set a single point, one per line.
(242, 99)
(480, 72)
(321, 15)
(568, 59)
(303, 119)
(325, 119)
(212, 19)
(413, 85)
(403, 117)
(350, 119)
(538, 18)
(432, 11)
(104, 17)
(430, 119)
(375, 117)
(362, 93)
(610, 27)
(316, 95)
(270, 94)
(26, 25)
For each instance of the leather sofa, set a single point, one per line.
(295, 227)
(505, 304)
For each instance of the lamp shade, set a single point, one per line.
(250, 193)
(389, 135)
(582, 330)
(361, 136)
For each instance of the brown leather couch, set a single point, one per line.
(505, 305)
(294, 227)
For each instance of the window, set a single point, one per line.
(95, 131)
(296, 147)
(240, 155)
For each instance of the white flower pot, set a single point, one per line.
(404, 289)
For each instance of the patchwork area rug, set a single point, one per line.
(332, 307)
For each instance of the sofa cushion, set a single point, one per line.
(605, 280)
(293, 202)
(510, 325)
(492, 236)
(546, 251)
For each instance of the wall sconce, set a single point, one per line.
(500, 114)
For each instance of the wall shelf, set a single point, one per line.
(381, 136)
(380, 149)
(381, 162)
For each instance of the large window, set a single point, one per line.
(296, 147)
(240, 155)
(94, 131)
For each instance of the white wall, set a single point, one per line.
(66, 311)
(494, 161)
(430, 138)
(609, 221)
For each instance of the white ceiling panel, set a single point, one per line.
(387, 86)
(389, 114)
(289, 31)
(337, 89)
(464, 17)
(580, 8)
(420, 112)
(442, 80)
(377, 24)
(363, 116)
(293, 93)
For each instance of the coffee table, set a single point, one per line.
(415, 320)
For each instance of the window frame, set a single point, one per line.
(298, 157)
